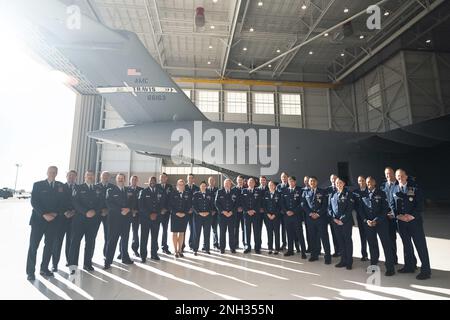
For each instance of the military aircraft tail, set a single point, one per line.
(114, 62)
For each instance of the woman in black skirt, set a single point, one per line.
(180, 202)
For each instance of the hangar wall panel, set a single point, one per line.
(87, 118)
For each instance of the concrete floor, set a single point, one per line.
(218, 276)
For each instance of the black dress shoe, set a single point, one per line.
(247, 250)
(67, 264)
(335, 255)
(348, 267)
(405, 270)
(166, 251)
(389, 273)
(195, 253)
(31, 277)
(222, 251)
(107, 267)
(233, 251)
(72, 272)
(423, 276)
(181, 255)
(136, 254)
(208, 252)
(311, 259)
(88, 268)
(298, 250)
(288, 254)
(203, 249)
(340, 265)
(270, 251)
(258, 251)
(55, 269)
(129, 261)
(308, 250)
(304, 255)
(177, 255)
(156, 258)
(364, 259)
(143, 260)
(119, 257)
(275, 252)
(327, 259)
(46, 273)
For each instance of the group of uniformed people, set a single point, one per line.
(75, 211)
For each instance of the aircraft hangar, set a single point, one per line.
(373, 74)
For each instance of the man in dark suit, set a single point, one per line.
(119, 220)
(134, 190)
(47, 200)
(65, 222)
(165, 214)
(86, 200)
(104, 185)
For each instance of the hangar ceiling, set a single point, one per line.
(277, 39)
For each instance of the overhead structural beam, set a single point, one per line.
(152, 28)
(284, 63)
(230, 38)
(314, 38)
(244, 15)
(394, 36)
(263, 83)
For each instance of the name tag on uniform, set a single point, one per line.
(147, 196)
(130, 194)
(60, 189)
(116, 195)
(410, 192)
